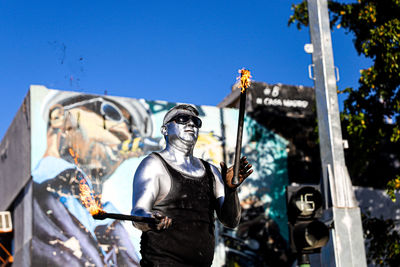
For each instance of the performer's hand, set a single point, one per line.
(163, 222)
(244, 172)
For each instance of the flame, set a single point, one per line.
(244, 79)
(88, 198)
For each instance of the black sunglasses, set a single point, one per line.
(184, 119)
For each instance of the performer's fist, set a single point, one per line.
(163, 222)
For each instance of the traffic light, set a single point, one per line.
(304, 209)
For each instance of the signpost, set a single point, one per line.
(347, 236)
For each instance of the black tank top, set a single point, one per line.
(189, 241)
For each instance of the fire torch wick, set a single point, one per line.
(242, 107)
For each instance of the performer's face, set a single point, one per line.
(184, 128)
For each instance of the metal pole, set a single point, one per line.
(242, 107)
(244, 84)
(347, 236)
(117, 216)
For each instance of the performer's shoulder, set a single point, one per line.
(152, 158)
(151, 163)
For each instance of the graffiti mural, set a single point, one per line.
(99, 141)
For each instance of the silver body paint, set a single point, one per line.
(152, 182)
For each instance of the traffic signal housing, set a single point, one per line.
(307, 233)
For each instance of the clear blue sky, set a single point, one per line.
(178, 51)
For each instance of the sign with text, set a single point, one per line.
(283, 100)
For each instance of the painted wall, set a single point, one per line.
(99, 141)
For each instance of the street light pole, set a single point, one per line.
(347, 243)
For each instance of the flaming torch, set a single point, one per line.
(93, 205)
(244, 84)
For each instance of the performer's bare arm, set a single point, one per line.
(149, 187)
(228, 209)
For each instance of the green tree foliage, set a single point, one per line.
(371, 115)
(393, 186)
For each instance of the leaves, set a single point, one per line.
(393, 186)
(300, 14)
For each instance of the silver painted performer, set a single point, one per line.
(183, 191)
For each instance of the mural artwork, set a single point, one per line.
(97, 142)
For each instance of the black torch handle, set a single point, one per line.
(102, 216)
(242, 107)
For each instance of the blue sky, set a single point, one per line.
(178, 51)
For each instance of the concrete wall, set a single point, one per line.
(15, 181)
(377, 203)
(23, 226)
(15, 160)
